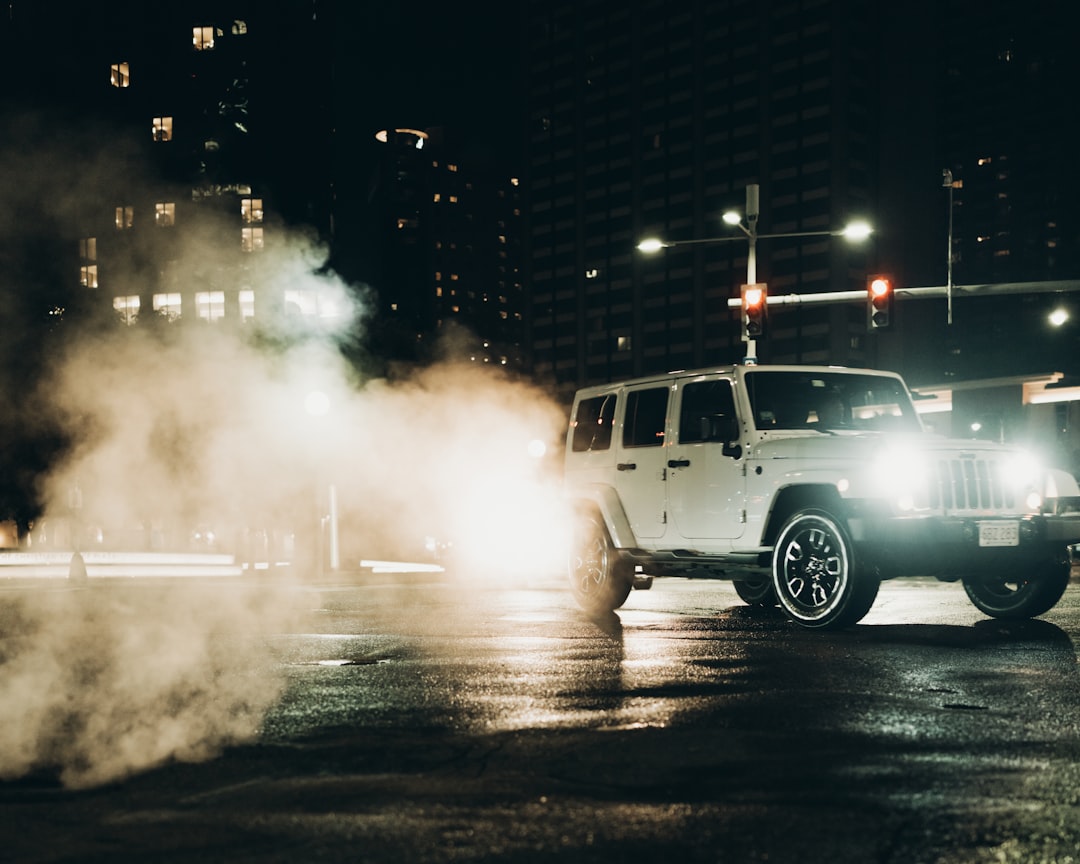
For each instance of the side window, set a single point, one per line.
(646, 411)
(708, 408)
(592, 424)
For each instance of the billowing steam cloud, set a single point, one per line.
(190, 425)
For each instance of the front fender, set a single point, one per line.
(1060, 484)
(606, 500)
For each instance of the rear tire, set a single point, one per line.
(815, 573)
(756, 592)
(599, 578)
(1017, 598)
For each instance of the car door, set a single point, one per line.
(640, 459)
(706, 486)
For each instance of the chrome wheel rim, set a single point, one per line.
(813, 569)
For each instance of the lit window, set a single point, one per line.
(247, 304)
(513, 181)
(622, 343)
(239, 28)
(167, 305)
(451, 167)
(311, 303)
(125, 217)
(436, 197)
(164, 214)
(120, 75)
(88, 276)
(251, 210)
(126, 308)
(88, 249)
(251, 239)
(453, 199)
(985, 160)
(202, 38)
(163, 129)
(393, 307)
(592, 273)
(210, 305)
(438, 291)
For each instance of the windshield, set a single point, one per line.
(829, 401)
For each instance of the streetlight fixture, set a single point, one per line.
(854, 231)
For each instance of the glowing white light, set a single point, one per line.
(857, 231)
(900, 473)
(1059, 316)
(731, 217)
(537, 448)
(1021, 472)
(652, 244)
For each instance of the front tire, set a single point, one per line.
(599, 578)
(816, 575)
(1014, 598)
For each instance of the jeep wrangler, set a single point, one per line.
(805, 486)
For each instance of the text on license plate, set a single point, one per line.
(999, 533)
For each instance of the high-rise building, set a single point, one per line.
(187, 144)
(446, 263)
(651, 118)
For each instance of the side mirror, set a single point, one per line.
(725, 427)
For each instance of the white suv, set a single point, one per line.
(806, 486)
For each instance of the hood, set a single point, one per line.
(855, 446)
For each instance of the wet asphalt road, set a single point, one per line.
(428, 720)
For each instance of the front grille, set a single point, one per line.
(969, 483)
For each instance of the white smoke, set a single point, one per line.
(196, 424)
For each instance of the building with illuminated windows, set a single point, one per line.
(186, 144)
(213, 139)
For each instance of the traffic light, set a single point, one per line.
(754, 306)
(879, 301)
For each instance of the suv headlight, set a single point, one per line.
(899, 475)
(1023, 477)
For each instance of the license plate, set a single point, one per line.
(999, 533)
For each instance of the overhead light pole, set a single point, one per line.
(747, 223)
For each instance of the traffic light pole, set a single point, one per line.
(1055, 287)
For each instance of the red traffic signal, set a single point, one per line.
(754, 306)
(879, 301)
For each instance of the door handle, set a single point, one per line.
(678, 463)
(627, 466)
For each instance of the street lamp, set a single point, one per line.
(854, 231)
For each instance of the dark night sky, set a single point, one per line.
(455, 65)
